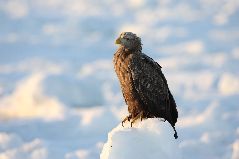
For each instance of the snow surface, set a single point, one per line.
(59, 95)
(149, 139)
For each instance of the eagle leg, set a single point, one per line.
(126, 118)
(137, 117)
(142, 116)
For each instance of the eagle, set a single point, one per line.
(144, 86)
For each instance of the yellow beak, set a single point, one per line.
(117, 41)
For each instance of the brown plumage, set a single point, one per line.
(143, 84)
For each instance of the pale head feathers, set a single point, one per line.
(129, 40)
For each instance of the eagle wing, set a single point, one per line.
(152, 88)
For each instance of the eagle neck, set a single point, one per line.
(137, 50)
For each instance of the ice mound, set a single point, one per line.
(149, 139)
(28, 101)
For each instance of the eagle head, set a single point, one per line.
(129, 40)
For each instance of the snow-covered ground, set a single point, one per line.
(147, 139)
(59, 95)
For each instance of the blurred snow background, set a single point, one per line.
(59, 96)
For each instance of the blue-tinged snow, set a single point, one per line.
(59, 95)
(149, 139)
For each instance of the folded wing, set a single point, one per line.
(152, 88)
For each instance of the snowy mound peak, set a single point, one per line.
(149, 139)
